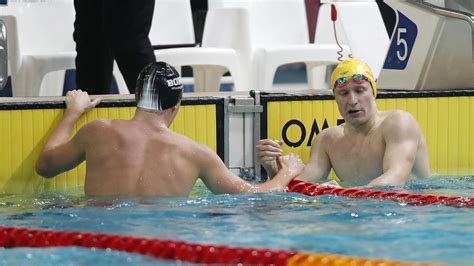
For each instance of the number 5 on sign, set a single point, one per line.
(402, 51)
(402, 43)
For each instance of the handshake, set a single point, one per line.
(270, 155)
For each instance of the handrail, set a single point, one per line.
(447, 11)
(469, 18)
(3, 55)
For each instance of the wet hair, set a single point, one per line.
(158, 87)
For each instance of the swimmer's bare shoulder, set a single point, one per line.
(329, 134)
(96, 125)
(197, 149)
(197, 154)
(400, 114)
(398, 120)
(93, 129)
(332, 131)
(105, 124)
(201, 154)
(325, 140)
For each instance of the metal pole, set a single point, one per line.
(256, 135)
(3, 55)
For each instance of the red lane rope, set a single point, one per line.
(164, 249)
(312, 190)
(178, 250)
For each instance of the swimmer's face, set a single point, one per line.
(356, 102)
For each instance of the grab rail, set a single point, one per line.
(469, 18)
(3, 55)
(447, 11)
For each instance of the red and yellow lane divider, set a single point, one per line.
(197, 253)
(334, 260)
(176, 250)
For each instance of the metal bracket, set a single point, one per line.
(249, 109)
(244, 105)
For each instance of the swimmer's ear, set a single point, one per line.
(174, 108)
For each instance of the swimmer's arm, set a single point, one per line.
(319, 164)
(219, 179)
(60, 153)
(401, 135)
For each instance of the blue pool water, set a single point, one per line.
(285, 221)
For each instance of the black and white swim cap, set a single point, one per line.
(158, 87)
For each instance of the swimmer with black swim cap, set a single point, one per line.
(159, 87)
(142, 155)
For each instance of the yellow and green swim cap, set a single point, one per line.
(355, 69)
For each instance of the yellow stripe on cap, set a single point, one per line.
(351, 66)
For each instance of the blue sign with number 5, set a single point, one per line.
(403, 40)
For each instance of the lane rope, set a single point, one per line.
(177, 250)
(11, 237)
(312, 189)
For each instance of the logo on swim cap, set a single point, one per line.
(350, 68)
(158, 87)
(174, 82)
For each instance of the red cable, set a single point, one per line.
(334, 18)
(312, 190)
(165, 249)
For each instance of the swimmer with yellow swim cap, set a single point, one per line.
(354, 89)
(372, 147)
(354, 70)
(143, 156)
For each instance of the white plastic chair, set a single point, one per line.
(212, 4)
(12, 43)
(40, 41)
(172, 23)
(279, 36)
(41, 46)
(225, 47)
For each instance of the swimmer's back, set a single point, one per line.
(128, 157)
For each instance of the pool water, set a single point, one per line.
(285, 221)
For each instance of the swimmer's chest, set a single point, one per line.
(358, 158)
